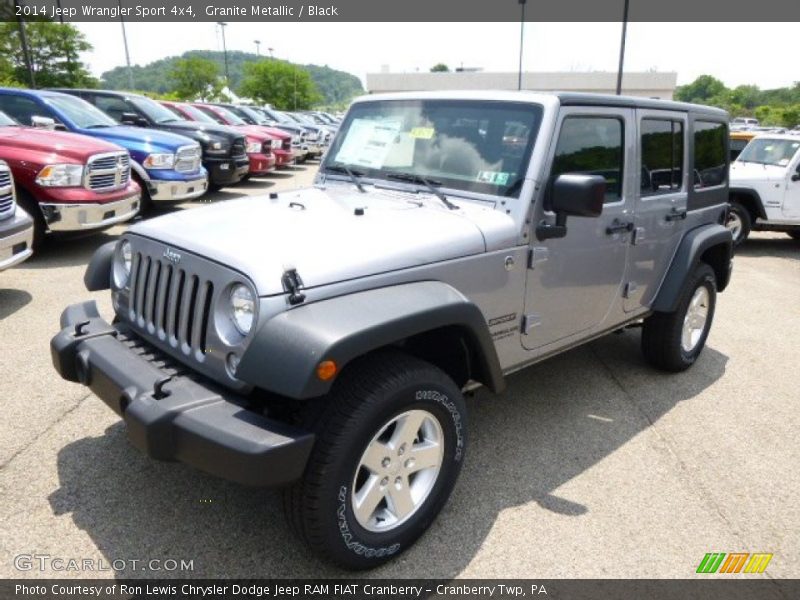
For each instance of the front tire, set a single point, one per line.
(739, 222)
(673, 341)
(390, 443)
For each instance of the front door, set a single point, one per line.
(791, 198)
(575, 283)
(661, 212)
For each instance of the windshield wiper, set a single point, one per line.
(353, 175)
(428, 183)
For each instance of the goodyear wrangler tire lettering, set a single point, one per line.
(394, 402)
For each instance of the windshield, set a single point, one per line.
(767, 151)
(469, 145)
(196, 114)
(248, 115)
(80, 112)
(153, 110)
(230, 117)
(6, 121)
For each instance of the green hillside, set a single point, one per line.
(336, 87)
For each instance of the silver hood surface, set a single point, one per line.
(317, 231)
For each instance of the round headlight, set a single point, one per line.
(122, 264)
(243, 308)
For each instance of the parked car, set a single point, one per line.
(316, 136)
(260, 147)
(264, 116)
(166, 166)
(740, 139)
(744, 122)
(323, 339)
(765, 187)
(68, 183)
(295, 144)
(16, 227)
(224, 151)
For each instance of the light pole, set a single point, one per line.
(125, 42)
(622, 47)
(270, 52)
(222, 26)
(258, 47)
(521, 41)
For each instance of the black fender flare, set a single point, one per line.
(692, 247)
(98, 273)
(286, 350)
(759, 204)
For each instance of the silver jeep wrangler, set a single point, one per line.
(322, 339)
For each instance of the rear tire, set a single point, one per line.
(739, 222)
(673, 341)
(365, 496)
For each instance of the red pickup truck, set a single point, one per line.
(68, 182)
(261, 146)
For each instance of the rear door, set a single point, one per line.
(660, 212)
(575, 282)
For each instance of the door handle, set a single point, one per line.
(676, 215)
(618, 226)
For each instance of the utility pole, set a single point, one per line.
(26, 55)
(622, 48)
(125, 42)
(258, 47)
(223, 25)
(270, 52)
(521, 40)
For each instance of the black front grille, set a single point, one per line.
(168, 301)
(239, 148)
(6, 194)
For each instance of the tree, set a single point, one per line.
(701, 90)
(194, 78)
(440, 68)
(279, 83)
(748, 96)
(54, 50)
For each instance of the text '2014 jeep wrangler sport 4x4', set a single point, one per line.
(322, 339)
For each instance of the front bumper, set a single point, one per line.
(175, 191)
(79, 216)
(261, 164)
(16, 239)
(226, 171)
(170, 416)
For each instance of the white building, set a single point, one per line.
(649, 85)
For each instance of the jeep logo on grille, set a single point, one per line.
(172, 256)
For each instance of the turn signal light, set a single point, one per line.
(326, 370)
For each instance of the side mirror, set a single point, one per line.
(576, 195)
(43, 123)
(132, 119)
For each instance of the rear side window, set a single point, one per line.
(112, 106)
(662, 156)
(710, 166)
(593, 146)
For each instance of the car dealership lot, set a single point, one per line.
(590, 465)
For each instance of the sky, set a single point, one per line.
(737, 53)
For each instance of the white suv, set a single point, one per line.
(765, 187)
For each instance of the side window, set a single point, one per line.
(662, 156)
(113, 107)
(23, 109)
(710, 166)
(591, 145)
(212, 114)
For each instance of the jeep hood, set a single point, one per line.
(318, 232)
(747, 171)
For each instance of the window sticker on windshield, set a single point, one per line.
(783, 162)
(493, 177)
(422, 133)
(368, 143)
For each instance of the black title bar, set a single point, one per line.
(402, 10)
